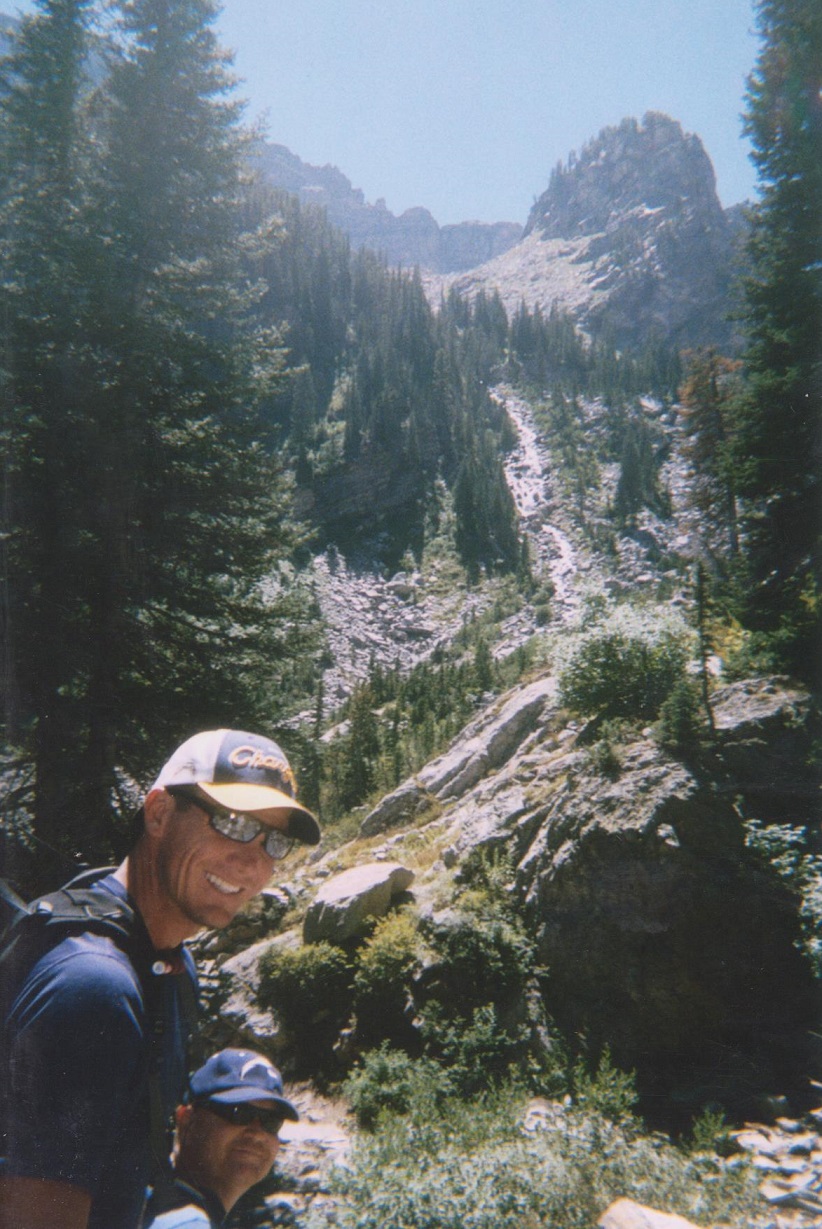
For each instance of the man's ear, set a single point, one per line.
(182, 1121)
(158, 808)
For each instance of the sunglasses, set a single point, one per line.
(243, 1115)
(238, 826)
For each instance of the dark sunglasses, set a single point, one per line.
(238, 826)
(243, 1115)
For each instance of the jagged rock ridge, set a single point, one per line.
(414, 239)
(663, 936)
(630, 237)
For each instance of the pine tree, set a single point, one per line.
(780, 440)
(708, 396)
(144, 479)
(361, 750)
(637, 484)
(45, 239)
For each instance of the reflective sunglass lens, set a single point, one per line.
(277, 844)
(243, 828)
(235, 826)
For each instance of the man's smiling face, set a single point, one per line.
(222, 1157)
(206, 877)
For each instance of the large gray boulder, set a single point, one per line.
(344, 905)
(770, 732)
(662, 935)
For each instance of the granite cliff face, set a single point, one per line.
(631, 238)
(414, 239)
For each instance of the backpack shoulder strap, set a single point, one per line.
(77, 906)
(81, 906)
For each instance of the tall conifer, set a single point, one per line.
(170, 510)
(780, 440)
(44, 245)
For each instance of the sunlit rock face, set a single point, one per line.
(661, 933)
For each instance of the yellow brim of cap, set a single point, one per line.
(238, 796)
(258, 799)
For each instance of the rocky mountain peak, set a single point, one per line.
(630, 238)
(633, 168)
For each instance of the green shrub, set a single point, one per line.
(389, 1080)
(488, 873)
(617, 674)
(472, 1020)
(708, 1131)
(604, 756)
(310, 989)
(484, 957)
(477, 1052)
(607, 1090)
(681, 718)
(384, 967)
(468, 1165)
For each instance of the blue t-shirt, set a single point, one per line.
(78, 1079)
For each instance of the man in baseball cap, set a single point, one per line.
(87, 1014)
(238, 791)
(227, 1140)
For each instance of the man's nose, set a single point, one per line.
(257, 1128)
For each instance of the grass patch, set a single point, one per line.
(437, 1161)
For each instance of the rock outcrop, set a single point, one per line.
(629, 237)
(483, 747)
(662, 934)
(770, 735)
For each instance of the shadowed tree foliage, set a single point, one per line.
(709, 395)
(141, 510)
(780, 439)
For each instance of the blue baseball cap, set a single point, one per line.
(233, 1076)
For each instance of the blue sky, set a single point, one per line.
(464, 106)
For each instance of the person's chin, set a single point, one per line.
(253, 1162)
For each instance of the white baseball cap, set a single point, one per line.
(240, 772)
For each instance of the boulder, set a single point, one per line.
(626, 1214)
(769, 733)
(344, 904)
(664, 937)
